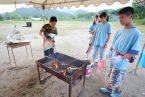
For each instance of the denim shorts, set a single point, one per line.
(48, 52)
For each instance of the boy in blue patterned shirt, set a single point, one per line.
(126, 44)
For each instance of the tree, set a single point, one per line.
(1, 18)
(139, 7)
(15, 16)
(7, 16)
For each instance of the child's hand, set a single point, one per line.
(94, 34)
(105, 45)
(127, 56)
(109, 54)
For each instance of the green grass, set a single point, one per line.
(18, 21)
(141, 27)
(65, 26)
(116, 25)
(23, 21)
(140, 24)
(139, 21)
(2, 37)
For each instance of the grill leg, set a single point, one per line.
(27, 52)
(31, 52)
(13, 57)
(38, 74)
(84, 77)
(70, 89)
(84, 81)
(9, 55)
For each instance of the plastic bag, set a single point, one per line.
(15, 37)
(115, 60)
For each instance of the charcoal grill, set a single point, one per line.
(64, 67)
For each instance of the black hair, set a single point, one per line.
(129, 11)
(53, 19)
(107, 18)
(96, 18)
(103, 14)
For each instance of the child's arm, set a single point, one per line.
(92, 32)
(111, 48)
(135, 47)
(91, 29)
(43, 29)
(127, 56)
(107, 40)
(41, 33)
(55, 32)
(109, 34)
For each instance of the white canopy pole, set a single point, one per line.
(43, 15)
(135, 70)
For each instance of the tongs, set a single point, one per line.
(73, 68)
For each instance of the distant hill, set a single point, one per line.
(64, 14)
(73, 12)
(37, 12)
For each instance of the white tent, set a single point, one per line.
(61, 3)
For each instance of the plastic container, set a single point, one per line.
(88, 71)
(101, 65)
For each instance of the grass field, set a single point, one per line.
(62, 26)
(8, 26)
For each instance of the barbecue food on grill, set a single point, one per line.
(65, 72)
(55, 65)
(70, 70)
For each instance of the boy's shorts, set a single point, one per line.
(117, 77)
(48, 52)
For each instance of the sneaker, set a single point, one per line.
(116, 94)
(106, 90)
(92, 64)
(86, 57)
(96, 60)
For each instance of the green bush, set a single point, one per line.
(140, 21)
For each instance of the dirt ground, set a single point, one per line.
(22, 81)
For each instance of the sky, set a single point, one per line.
(90, 8)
